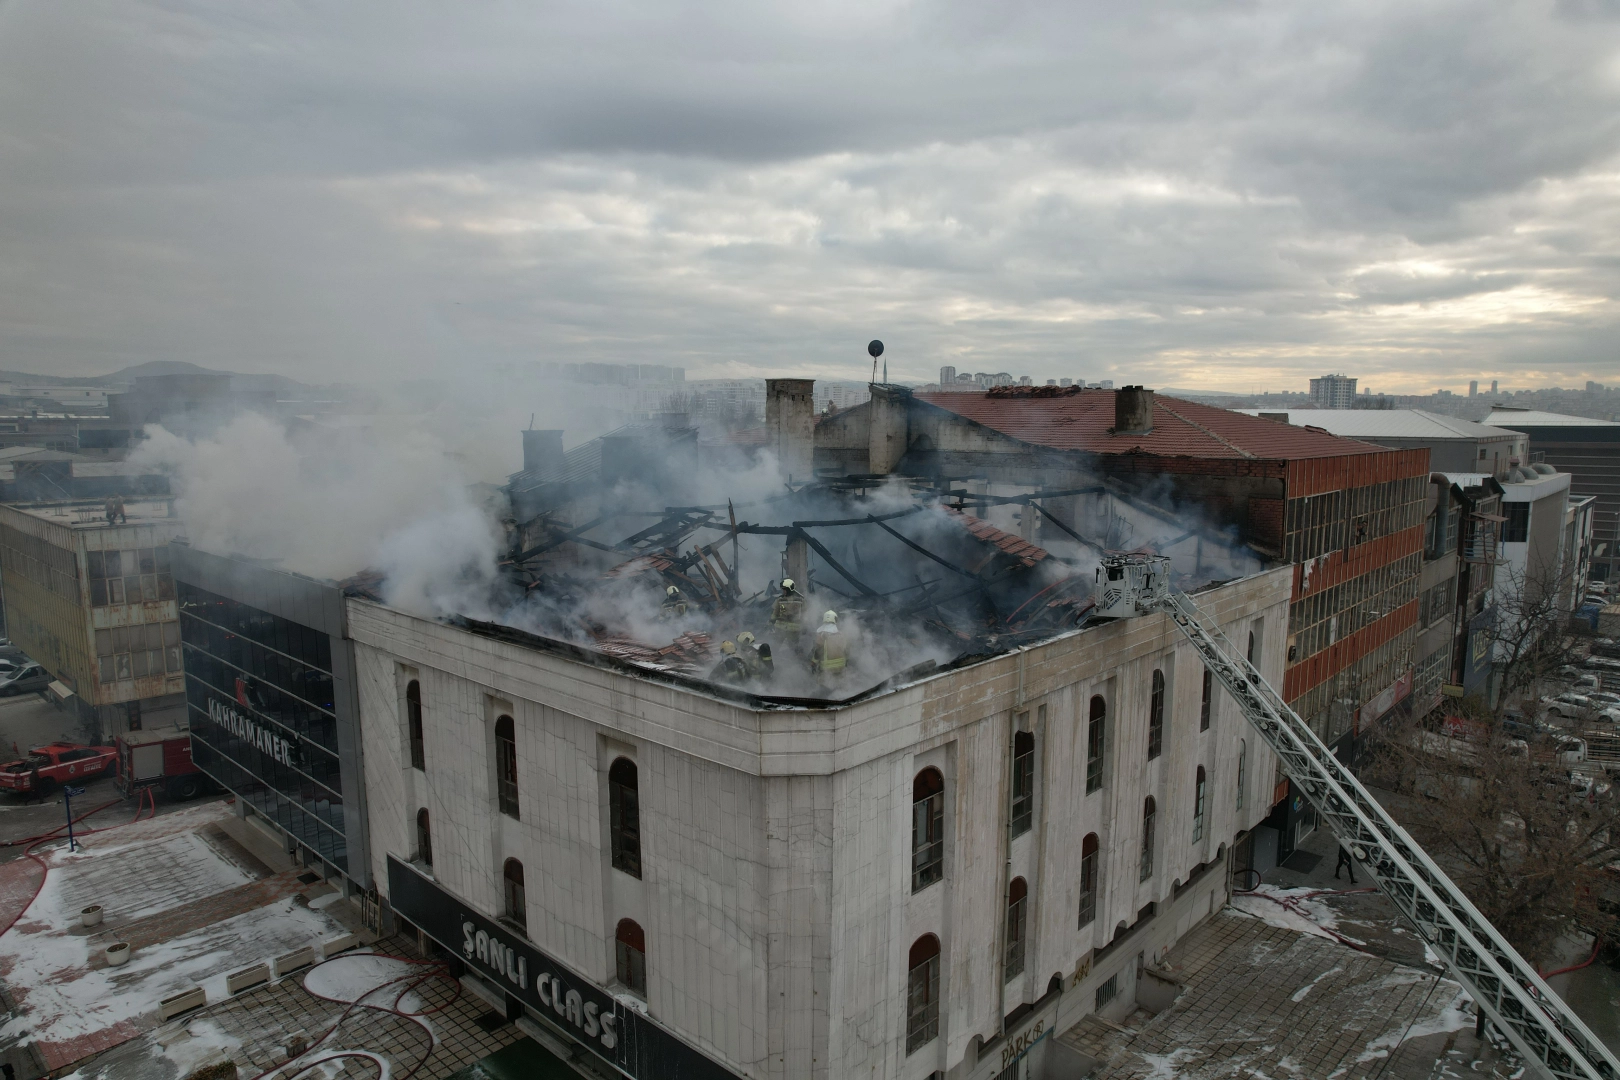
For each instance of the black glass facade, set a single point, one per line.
(264, 721)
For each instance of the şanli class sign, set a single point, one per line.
(617, 1033)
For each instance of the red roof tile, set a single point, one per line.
(1082, 421)
(1016, 546)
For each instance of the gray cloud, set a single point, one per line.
(1220, 195)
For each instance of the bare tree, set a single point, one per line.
(1531, 638)
(1505, 818)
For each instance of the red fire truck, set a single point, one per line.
(160, 757)
(57, 763)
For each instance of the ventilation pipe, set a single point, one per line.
(1133, 411)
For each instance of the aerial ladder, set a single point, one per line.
(1512, 995)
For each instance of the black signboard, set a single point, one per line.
(612, 1030)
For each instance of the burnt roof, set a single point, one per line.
(1084, 420)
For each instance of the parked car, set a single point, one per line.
(28, 679)
(58, 763)
(1569, 705)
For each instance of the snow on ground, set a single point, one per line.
(64, 999)
(133, 881)
(1290, 909)
(353, 976)
(1457, 1014)
(56, 970)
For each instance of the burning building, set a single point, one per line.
(984, 825)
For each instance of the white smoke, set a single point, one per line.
(331, 502)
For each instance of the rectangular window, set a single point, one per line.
(1156, 717)
(1203, 706)
(1088, 881)
(1108, 990)
(1023, 782)
(1149, 815)
(1198, 807)
(1516, 530)
(506, 766)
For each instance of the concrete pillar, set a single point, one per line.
(796, 564)
(790, 418)
(542, 452)
(890, 429)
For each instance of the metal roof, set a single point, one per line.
(1389, 423)
(1512, 418)
(1083, 421)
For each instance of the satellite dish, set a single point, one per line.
(874, 349)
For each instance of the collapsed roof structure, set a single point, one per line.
(920, 572)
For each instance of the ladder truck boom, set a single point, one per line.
(1515, 998)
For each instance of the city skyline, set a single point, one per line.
(1191, 198)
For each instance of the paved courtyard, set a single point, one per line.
(1259, 1000)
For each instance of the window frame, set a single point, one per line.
(1205, 705)
(1012, 964)
(424, 837)
(624, 816)
(1096, 742)
(1156, 715)
(927, 828)
(1200, 794)
(515, 894)
(1243, 761)
(1021, 812)
(415, 736)
(1150, 812)
(922, 993)
(1090, 876)
(506, 766)
(630, 957)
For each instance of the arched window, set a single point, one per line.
(922, 993)
(1198, 806)
(630, 956)
(1023, 783)
(1156, 716)
(1149, 814)
(424, 838)
(927, 829)
(1088, 879)
(517, 901)
(1243, 764)
(413, 722)
(506, 766)
(1094, 743)
(624, 816)
(1203, 706)
(1017, 895)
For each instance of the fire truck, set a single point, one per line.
(160, 758)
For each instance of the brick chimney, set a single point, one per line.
(1133, 411)
(790, 420)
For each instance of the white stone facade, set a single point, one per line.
(776, 843)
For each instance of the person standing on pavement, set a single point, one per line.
(34, 782)
(1344, 861)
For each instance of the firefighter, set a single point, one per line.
(674, 603)
(787, 611)
(764, 670)
(748, 650)
(829, 653)
(731, 667)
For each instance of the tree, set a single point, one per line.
(1503, 817)
(1531, 636)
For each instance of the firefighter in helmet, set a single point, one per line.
(787, 611)
(830, 652)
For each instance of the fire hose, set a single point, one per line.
(1292, 904)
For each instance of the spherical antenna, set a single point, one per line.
(874, 349)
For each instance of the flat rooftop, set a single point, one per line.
(92, 513)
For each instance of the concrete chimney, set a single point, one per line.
(542, 452)
(1133, 411)
(790, 418)
(889, 435)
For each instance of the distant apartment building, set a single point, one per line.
(1333, 392)
(947, 376)
(93, 602)
(1588, 450)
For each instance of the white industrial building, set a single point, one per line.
(927, 879)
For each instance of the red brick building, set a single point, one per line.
(1347, 514)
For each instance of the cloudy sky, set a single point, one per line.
(1218, 195)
